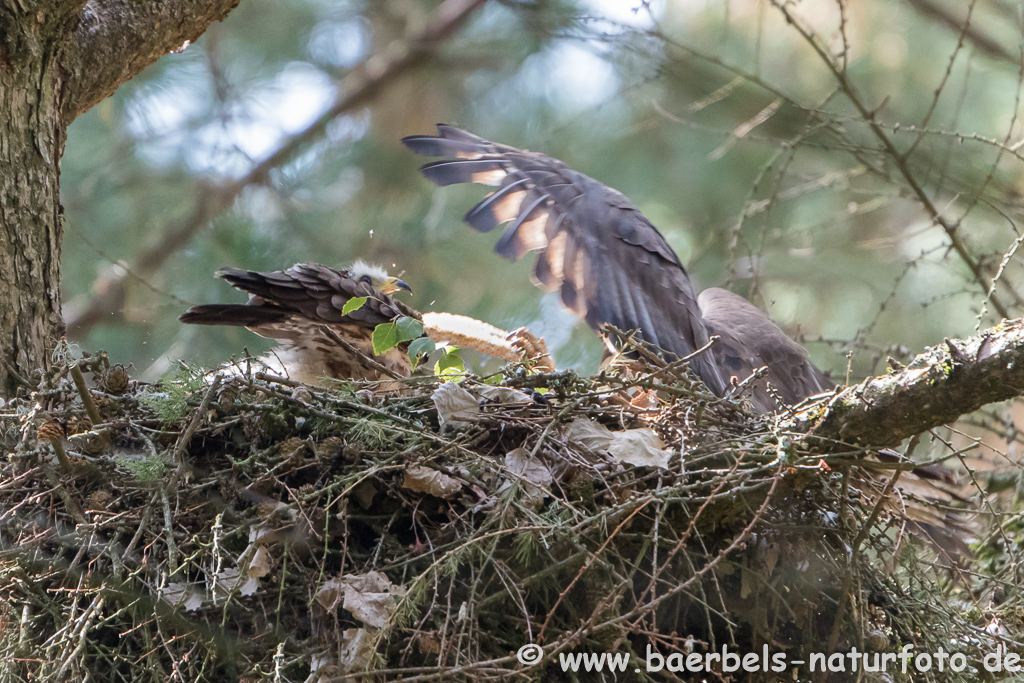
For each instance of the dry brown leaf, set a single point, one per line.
(426, 480)
(588, 434)
(329, 594)
(455, 406)
(259, 565)
(502, 394)
(358, 645)
(182, 595)
(364, 492)
(534, 476)
(370, 597)
(640, 447)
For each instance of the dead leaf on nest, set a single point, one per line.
(455, 406)
(329, 594)
(260, 564)
(370, 597)
(520, 463)
(502, 394)
(261, 534)
(322, 669)
(358, 645)
(534, 476)
(588, 434)
(426, 480)
(182, 595)
(225, 582)
(363, 493)
(639, 447)
(228, 581)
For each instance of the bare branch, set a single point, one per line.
(939, 385)
(899, 159)
(359, 87)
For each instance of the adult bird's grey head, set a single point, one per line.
(301, 308)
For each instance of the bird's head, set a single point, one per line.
(377, 278)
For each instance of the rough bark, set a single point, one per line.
(32, 135)
(57, 59)
(116, 39)
(939, 386)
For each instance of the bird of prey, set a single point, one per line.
(610, 265)
(301, 308)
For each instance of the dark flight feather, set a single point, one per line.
(613, 267)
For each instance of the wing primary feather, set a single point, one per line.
(636, 298)
(482, 217)
(452, 171)
(511, 245)
(452, 133)
(430, 146)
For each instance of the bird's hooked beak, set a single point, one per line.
(393, 284)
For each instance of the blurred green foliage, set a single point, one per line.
(803, 212)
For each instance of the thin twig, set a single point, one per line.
(898, 159)
(83, 391)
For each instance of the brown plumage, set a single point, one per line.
(301, 308)
(608, 263)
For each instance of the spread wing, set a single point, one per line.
(311, 292)
(750, 340)
(608, 263)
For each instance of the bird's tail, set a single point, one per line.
(240, 315)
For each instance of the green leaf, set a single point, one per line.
(420, 347)
(385, 338)
(450, 366)
(353, 304)
(408, 328)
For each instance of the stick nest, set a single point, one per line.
(246, 527)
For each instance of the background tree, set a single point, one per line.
(57, 60)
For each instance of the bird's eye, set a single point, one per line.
(366, 279)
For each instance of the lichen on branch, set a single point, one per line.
(941, 384)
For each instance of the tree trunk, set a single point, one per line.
(32, 136)
(57, 59)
